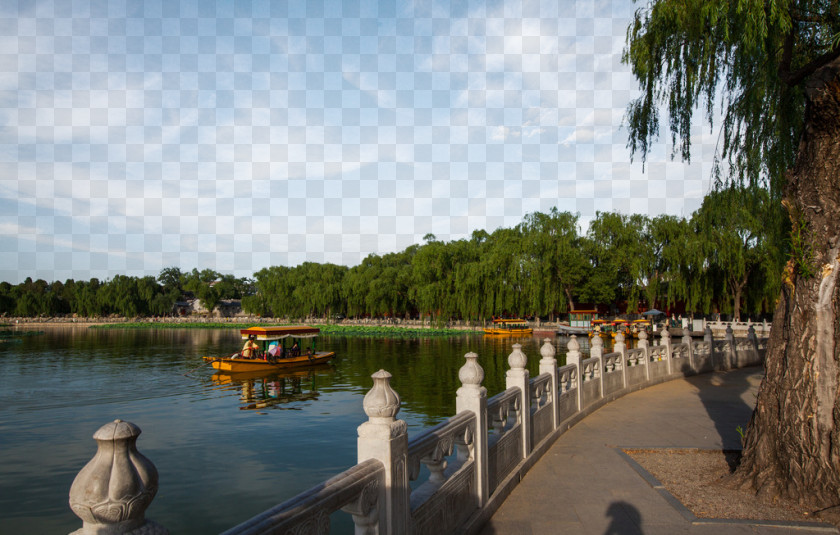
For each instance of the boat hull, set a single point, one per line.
(565, 330)
(239, 365)
(509, 332)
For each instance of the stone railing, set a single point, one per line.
(450, 478)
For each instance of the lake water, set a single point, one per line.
(225, 448)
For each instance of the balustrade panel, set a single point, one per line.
(658, 364)
(703, 362)
(356, 490)
(679, 359)
(568, 386)
(505, 442)
(591, 385)
(442, 450)
(448, 496)
(636, 367)
(613, 377)
(542, 410)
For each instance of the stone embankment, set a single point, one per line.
(237, 320)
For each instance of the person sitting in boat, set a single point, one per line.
(249, 350)
(275, 351)
(295, 351)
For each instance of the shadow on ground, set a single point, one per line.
(625, 519)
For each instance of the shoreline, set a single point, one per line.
(349, 327)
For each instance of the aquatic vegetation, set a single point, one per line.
(341, 330)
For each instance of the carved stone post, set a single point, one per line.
(518, 376)
(473, 397)
(385, 438)
(643, 345)
(620, 347)
(709, 337)
(753, 343)
(666, 341)
(548, 364)
(573, 357)
(596, 347)
(112, 492)
(687, 340)
(731, 359)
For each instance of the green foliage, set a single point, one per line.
(555, 260)
(750, 56)
(741, 233)
(541, 267)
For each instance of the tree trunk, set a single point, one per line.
(792, 446)
(736, 300)
(569, 299)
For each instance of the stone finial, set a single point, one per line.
(596, 347)
(381, 402)
(547, 350)
(643, 338)
(573, 351)
(619, 341)
(471, 373)
(573, 344)
(111, 493)
(665, 335)
(517, 359)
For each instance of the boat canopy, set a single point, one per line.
(278, 333)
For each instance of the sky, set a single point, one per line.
(235, 136)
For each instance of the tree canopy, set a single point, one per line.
(542, 267)
(749, 57)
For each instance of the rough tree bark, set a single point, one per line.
(792, 446)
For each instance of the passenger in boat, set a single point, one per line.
(274, 352)
(295, 351)
(249, 350)
(309, 353)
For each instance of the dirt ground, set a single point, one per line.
(693, 476)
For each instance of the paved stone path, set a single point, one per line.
(583, 484)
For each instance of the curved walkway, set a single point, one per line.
(584, 485)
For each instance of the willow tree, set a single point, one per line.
(774, 67)
(553, 245)
(739, 233)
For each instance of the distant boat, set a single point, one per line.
(566, 330)
(268, 350)
(509, 327)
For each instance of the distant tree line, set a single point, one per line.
(727, 257)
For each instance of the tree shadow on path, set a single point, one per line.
(729, 399)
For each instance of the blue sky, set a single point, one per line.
(238, 135)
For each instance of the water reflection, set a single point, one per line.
(273, 390)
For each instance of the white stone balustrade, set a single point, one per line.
(473, 459)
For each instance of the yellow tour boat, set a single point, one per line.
(504, 327)
(273, 348)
